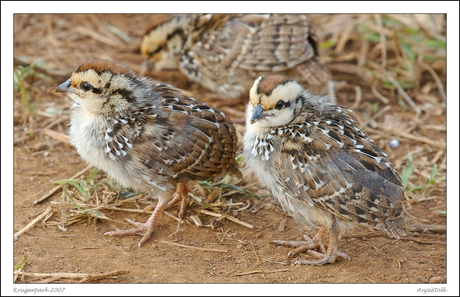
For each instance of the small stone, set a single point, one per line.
(436, 280)
(394, 143)
(424, 280)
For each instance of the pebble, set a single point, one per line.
(424, 280)
(437, 280)
(394, 143)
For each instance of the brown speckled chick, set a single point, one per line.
(320, 166)
(227, 52)
(147, 136)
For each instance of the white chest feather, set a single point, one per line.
(87, 135)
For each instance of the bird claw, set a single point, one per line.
(323, 258)
(328, 255)
(143, 229)
(304, 245)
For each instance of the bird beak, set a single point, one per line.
(64, 87)
(257, 113)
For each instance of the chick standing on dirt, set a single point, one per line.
(320, 166)
(147, 136)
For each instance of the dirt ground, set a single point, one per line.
(225, 251)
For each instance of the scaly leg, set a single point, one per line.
(330, 256)
(326, 256)
(180, 194)
(146, 229)
(143, 229)
(308, 244)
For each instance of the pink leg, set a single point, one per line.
(182, 190)
(330, 256)
(180, 194)
(308, 244)
(326, 256)
(143, 229)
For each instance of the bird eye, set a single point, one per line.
(86, 86)
(280, 105)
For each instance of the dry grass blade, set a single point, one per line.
(377, 114)
(96, 36)
(32, 223)
(141, 211)
(436, 78)
(426, 228)
(233, 219)
(351, 69)
(56, 135)
(435, 242)
(378, 95)
(378, 19)
(54, 190)
(85, 277)
(404, 94)
(358, 97)
(261, 271)
(441, 145)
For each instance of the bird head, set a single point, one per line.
(101, 87)
(274, 101)
(162, 44)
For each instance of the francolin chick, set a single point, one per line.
(226, 53)
(320, 166)
(147, 136)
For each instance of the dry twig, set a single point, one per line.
(431, 228)
(436, 79)
(32, 223)
(56, 135)
(423, 242)
(378, 19)
(141, 211)
(441, 145)
(403, 93)
(261, 271)
(233, 219)
(98, 37)
(85, 277)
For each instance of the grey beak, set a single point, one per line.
(257, 113)
(64, 86)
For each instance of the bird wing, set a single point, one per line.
(337, 167)
(187, 140)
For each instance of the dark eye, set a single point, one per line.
(281, 104)
(86, 86)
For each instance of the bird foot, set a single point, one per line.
(302, 245)
(309, 244)
(323, 258)
(143, 229)
(317, 242)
